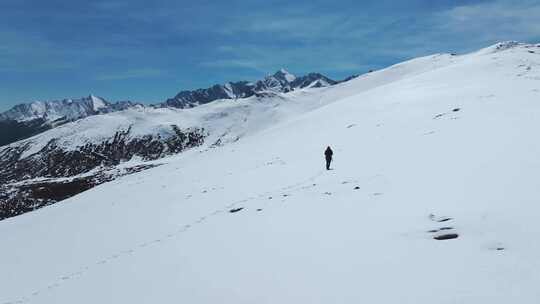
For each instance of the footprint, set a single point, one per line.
(496, 246)
(444, 237)
(53, 286)
(438, 116)
(443, 114)
(236, 210)
(76, 274)
(439, 219)
(440, 229)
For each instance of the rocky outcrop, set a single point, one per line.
(12, 130)
(54, 173)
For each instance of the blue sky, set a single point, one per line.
(149, 50)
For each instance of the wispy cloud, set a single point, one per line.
(91, 44)
(302, 25)
(234, 63)
(23, 52)
(131, 74)
(493, 21)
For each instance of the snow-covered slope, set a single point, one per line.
(440, 145)
(77, 156)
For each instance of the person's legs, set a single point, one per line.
(328, 160)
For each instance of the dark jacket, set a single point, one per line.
(328, 153)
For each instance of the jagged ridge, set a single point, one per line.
(282, 81)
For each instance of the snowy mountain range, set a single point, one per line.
(280, 82)
(66, 109)
(433, 193)
(26, 120)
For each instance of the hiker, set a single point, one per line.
(328, 154)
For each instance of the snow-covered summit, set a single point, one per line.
(284, 75)
(25, 120)
(66, 109)
(97, 103)
(280, 82)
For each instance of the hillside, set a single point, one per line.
(438, 147)
(80, 155)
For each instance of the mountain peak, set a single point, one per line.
(281, 81)
(67, 109)
(283, 74)
(97, 102)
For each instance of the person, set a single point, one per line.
(328, 154)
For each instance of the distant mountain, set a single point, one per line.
(29, 119)
(66, 109)
(281, 82)
(26, 120)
